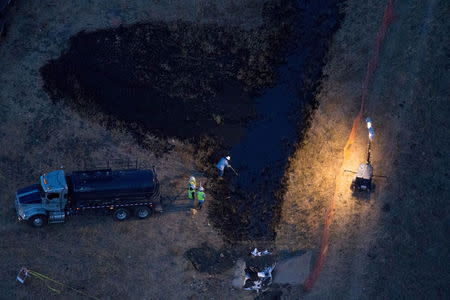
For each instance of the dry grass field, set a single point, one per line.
(393, 244)
(134, 260)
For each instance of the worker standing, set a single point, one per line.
(200, 197)
(192, 186)
(222, 164)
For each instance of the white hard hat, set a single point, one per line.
(192, 178)
(201, 189)
(228, 157)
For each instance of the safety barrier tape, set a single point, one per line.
(48, 280)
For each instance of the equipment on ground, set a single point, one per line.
(234, 170)
(364, 175)
(258, 271)
(363, 178)
(52, 284)
(58, 195)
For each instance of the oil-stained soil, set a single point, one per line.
(247, 91)
(176, 79)
(249, 206)
(207, 259)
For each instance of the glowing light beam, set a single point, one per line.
(324, 246)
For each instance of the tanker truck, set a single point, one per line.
(57, 195)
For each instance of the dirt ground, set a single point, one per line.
(134, 260)
(393, 244)
(193, 81)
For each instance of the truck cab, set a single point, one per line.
(43, 202)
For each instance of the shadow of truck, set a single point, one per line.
(4, 8)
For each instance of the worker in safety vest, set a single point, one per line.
(222, 164)
(200, 197)
(192, 186)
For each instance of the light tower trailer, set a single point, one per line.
(364, 174)
(363, 178)
(58, 195)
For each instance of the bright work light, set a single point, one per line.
(369, 123)
(369, 126)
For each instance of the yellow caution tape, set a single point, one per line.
(61, 285)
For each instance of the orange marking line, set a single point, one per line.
(387, 20)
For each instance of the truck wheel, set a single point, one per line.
(38, 221)
(143, 212)
(121, 214)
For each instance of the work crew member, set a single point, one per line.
(222, 164)
(192, 185)
(200, 197)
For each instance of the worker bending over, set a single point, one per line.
(222, 164)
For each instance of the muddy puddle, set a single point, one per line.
(246, 90)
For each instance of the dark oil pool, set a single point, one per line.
(260, 158)
(191, 81)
